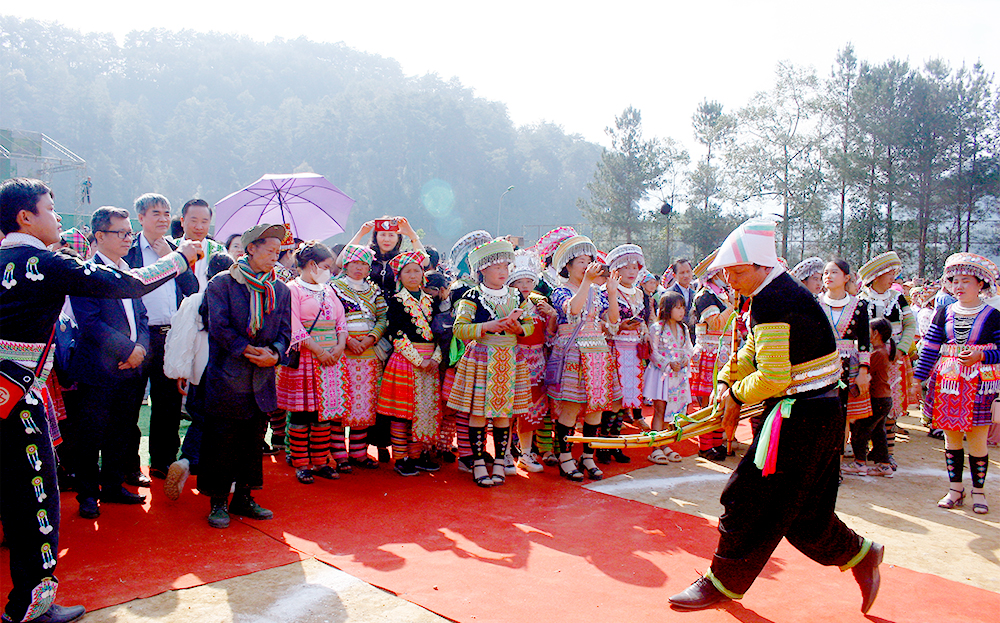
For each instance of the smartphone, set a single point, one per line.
(386, 224)
(605, 271)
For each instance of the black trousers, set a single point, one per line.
(165, 412)
(797, 502)
(872, 429)
(231, 452)
(29, 509)
(103, 427)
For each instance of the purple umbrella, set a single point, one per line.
(315, 208)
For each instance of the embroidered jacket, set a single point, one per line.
(790, 348)
(410, 323)
(475, 308)
(850, 328)
(892, 306)
(365, 309)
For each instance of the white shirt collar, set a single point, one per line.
(775, 271)
(17, 238)
(315, 287)
(486, 290)
(107, 260)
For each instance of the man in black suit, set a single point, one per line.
(161, 304)
(112, 342)
(249, 331)
(684, 275)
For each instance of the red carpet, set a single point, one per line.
(537, 548)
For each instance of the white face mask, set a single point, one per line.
(322, 275)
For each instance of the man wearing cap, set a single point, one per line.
(249, 330)
(790, 363)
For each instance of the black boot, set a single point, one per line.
(219, 516)
(245, 506)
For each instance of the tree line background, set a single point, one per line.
(866, 158)
(190, 114)
(869, 158)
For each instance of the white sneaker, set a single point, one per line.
(177, 475)
(529, 463)
(509, 466)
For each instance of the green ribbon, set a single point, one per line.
(783, 409)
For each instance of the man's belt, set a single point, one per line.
(159, 328)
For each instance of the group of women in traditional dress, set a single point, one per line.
(528, 344)
(958, 359)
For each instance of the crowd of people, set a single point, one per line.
(384, 351)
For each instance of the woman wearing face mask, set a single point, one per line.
(876, 278)
(961, 356)
(315, 392)
(386, 245)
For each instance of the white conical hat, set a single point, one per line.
(750, 243)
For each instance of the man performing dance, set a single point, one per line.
(790, 363)
(35, 284)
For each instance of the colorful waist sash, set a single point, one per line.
(951, 372)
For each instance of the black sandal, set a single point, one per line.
(305, 476)
(574, 475)
(594, 473)
(367, 462)
(498, 479)
(485, 481)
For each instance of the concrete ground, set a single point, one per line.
(900, 512)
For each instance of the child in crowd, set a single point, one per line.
(872, 428)
(666, 380)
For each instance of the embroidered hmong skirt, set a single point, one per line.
(630, 370)
(702, 369)
(314, 387)
(590, 374)
(958, 397)
(900, 379)
(364, 372)
(534, 357)
(412, 393)
(860, 406)
(491, 380)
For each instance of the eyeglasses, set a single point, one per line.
(123, 234)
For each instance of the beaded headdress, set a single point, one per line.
(625, 254)
(879, 265)
(571, 248)
(490, 253)
(526, 266)
(460, 250)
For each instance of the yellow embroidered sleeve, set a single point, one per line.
(767, 345)
(381, 318)
(405, 347)
(464, 328)
(526, 321)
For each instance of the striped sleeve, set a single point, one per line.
(774, 368)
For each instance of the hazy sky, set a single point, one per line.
(579, 64)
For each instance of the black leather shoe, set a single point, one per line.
(122, 496)
(867, 575)
(61, 614)
(700, 595)
(138, 479)
(619, 456)
(89, 508)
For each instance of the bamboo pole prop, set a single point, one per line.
(684, 427)
(733, 358)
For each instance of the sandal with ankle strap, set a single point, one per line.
(950, 502)
(575, 474)
(980, 508)
(594, 473)
(486, 480)
(499, 474)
